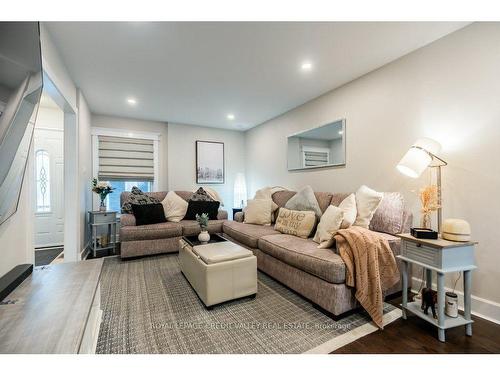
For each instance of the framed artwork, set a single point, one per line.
(209, 162)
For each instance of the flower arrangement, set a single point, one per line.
(103, 189)
(202, 221)
(430, 203)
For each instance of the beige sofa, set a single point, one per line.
(317, 274)
(159, 238)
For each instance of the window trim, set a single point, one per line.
(96, 132)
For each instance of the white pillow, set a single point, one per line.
(213, 194)
(367, 202)
(174, 206)
(328, 226)
(258, 211)
(348, 206)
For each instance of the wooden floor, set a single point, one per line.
(415, 336)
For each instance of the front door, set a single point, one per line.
(48, 187)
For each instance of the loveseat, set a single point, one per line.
(317, 274)
(139, 240)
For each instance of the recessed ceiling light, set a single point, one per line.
(131, 101)
(306, 66)
(230, 116)
(341, 132)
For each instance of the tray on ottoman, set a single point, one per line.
(218, 271)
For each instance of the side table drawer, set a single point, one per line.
(421, 253)
(103, 218)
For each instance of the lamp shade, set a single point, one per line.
(240, 191)
(417, 158)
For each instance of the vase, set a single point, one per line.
(425, 221)
(204, 236)
(102, 206)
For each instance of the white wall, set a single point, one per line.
(182, 159)
(85, 166)
(131, 125)
(449, 91)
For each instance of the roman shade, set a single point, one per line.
(125, 159)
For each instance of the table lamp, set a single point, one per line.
(422, 154)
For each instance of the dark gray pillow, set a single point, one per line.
(201, 195)
(304, 200)
(136, 196)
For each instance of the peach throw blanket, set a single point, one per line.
(371, 267)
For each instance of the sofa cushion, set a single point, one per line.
(192, 228)
(247, 234)
(305, 255)
(282, 197)
(150, 232)
(194, 208)
(389, 216)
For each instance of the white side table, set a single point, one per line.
(440, 256)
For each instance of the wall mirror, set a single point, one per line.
(20, 90)
(320, 147)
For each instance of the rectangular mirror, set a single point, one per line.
(319, 147)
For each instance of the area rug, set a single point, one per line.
(149, 307)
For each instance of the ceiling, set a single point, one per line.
(198, 73)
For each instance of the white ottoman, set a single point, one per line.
(220, 271)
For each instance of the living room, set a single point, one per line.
(250, 187)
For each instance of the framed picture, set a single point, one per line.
(209, 162)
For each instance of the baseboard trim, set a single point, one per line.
(481, 307)
(85, 251)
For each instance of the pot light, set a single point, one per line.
(306, 66)
(131, 101)
(230, 116)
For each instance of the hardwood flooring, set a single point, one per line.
(415, 336)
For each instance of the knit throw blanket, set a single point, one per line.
(371, 268)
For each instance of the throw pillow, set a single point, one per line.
(267, 193)
(146, 214)
(202, 207)
(389, 216)
(304, 200)
(214, 195)
(367, 202)
(136, 196)
(348, 206)
(258, 211)
(328, 226)
(296, 223)
(201, 195)
(175, 207)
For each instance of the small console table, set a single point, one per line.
(440, 256)
(105, 219)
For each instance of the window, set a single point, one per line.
(315, 156)
(42, 168)
(124, 159)
(113, 200)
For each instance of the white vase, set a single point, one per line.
(204, 236)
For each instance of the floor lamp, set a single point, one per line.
(421, 155)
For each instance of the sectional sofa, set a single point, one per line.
(316, 274)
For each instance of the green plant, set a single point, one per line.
(202, 221)
(101, 188)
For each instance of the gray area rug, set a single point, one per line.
(149, 307)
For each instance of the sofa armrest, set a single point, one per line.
(127, 220)
(407, 221)
(222, 215)
(239, 217)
